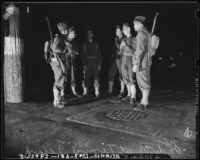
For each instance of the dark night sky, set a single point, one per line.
(176, 26)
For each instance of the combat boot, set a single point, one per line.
(121, 94)
(141, 107)
(126, 99)
(133, 102)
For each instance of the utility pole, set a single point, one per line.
(13, 58)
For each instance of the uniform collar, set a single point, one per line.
(142, 29)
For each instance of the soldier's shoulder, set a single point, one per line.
(141, 34)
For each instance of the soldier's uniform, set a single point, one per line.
(143, 61)
(127, 53)
(57, 60)
(116, 60)
(91, 58)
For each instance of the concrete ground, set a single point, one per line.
(106, 125)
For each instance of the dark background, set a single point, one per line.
(176, 26)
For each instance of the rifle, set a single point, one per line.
(50, 31)
(49, 53)
(154, 23)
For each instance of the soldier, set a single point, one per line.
(91, 61)
(142, 61)
(57, 60)
(116, 60)
(73, 52)
(127, 47)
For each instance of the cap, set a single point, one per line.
(140, 19)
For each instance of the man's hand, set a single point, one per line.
(99, 67)
(46, 46)
(135, 68)
(122, 44)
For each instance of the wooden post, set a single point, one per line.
(14, 61)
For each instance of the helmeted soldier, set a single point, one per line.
(142, 61)
(57, 60)
(127, 47)
(115, 65)
(91, 60)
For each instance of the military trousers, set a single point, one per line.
(59, 76)
(127, 74)
(91, 72)
(114, 68)
(70, 70)
(143, 79)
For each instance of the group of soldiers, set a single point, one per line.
(129, 57)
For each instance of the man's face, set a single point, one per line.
(90, 35)
(137, 25)
(126, 30)
(71, 35)
(118, 32)
(10, 9)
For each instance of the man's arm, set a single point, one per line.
(47, 53)
(139, 47)
(46, 46)
(56, 48)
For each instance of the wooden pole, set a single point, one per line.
(14, 62)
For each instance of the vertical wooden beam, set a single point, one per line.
(14, 61)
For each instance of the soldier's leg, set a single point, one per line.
(111, 76)
(132, 86)
(96, 81)
(132, 81)
(59, 81)
(119, 63)
(126, 81)
(143, 80)
(67, 71)
(73, 80)
(86, 81)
